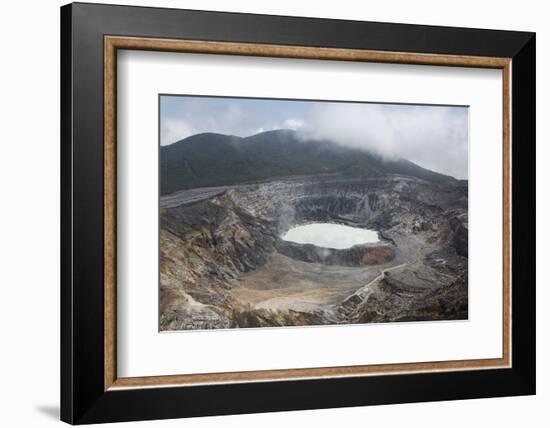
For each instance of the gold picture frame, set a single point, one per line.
(114, 43)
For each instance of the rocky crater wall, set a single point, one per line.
(211, 237)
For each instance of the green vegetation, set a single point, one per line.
(205, 160)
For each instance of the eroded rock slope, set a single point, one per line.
(223, 264)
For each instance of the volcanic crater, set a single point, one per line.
(224, 264)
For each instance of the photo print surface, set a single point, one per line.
(279, 212)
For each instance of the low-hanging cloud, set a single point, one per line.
(204, 116)
(183, 116)
(435, 137)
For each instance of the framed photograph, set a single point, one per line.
(265, 213)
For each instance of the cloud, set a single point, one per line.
(172, 130)
(435, 137)
(197, 117)
(292, 124)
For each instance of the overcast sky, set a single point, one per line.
(435, 137)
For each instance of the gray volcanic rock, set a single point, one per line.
(236, 239)
(459, 226)
(223, 263)
(359, 255)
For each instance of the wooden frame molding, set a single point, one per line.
(113, 43)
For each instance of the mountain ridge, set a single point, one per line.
(212, 159)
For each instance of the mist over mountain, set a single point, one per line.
(210, 159)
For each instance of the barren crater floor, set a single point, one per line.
(229, 257)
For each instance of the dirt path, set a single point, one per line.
(362, 294)
(287, 284)
(391, 268)
(383, 273)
